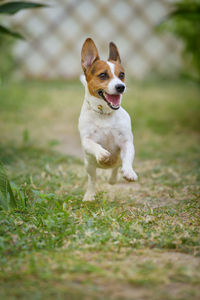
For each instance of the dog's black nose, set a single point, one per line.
(120, 88)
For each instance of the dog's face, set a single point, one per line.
(105, 79)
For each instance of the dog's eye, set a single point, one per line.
(103, 76)
(121, 75)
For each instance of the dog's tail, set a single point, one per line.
(83, 80)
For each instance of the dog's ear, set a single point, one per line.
(114, 53)
(89, 54)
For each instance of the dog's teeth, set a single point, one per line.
(114, 105)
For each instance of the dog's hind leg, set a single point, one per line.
(91, 188)
(113, 175)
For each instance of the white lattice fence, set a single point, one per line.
(55, 36)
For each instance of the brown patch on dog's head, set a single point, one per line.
(98, 77)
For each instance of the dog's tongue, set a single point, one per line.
(114, 99)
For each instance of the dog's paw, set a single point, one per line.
(103, 156)
(129, 174)
(88, 197)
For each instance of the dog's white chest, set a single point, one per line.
(102, 131)
(106, 137)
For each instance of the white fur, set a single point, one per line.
(106, 136)
(111, 86)
(83, 80)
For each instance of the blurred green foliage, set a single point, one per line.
(184, 22)
(6, 59)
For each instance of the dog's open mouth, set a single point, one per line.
(113, 101)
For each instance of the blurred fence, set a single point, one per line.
(54, 36)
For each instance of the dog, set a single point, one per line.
(104, 126)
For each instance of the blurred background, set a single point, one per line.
(54, 36)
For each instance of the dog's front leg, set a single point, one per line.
(91, 188)
(127, 156)
(93, 148)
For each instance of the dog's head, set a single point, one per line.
(105, 79)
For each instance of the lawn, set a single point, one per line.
(136, 240)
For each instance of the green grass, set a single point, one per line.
(135, 241)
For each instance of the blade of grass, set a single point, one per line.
(7, 199)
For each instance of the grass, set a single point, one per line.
(136, 241)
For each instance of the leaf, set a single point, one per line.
(185, 13)
(184, 10)
(13, 7)
(4, 30)
(7, 198)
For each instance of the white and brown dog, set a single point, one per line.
(105, 127)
